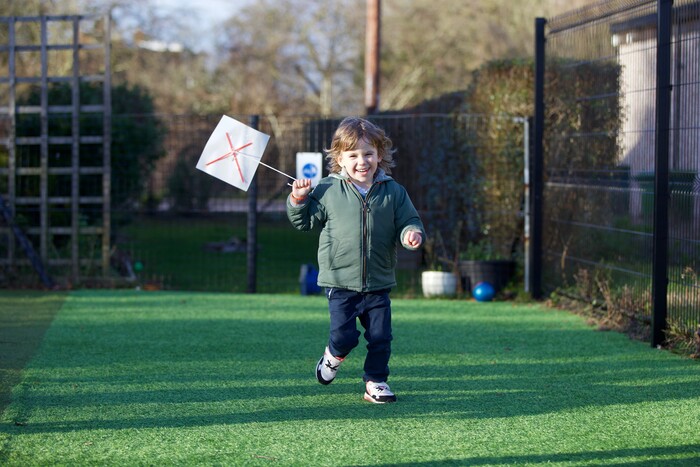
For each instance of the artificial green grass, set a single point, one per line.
(139, 378)
(24, 317)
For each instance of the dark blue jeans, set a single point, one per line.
(373, 309)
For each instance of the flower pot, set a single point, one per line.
(496, 272)
(438, 284)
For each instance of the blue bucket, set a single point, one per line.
(308, 278)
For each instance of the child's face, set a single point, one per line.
(360, 163)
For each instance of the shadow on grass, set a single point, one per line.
(238, 399)
(172, 360)
(620, 456)
(472, 391)
(24, 318)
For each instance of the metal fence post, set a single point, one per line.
(659, 284)
(527, 205)
(536, 177)
(252, 235)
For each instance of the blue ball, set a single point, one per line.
(483, 292)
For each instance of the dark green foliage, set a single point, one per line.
(471, 166)
(137, 139)
(137, 143)
(503, 91)
(503, 87)
(473, 171)
(586, 186)
(451, 184)
(188, 190)
(583, 117)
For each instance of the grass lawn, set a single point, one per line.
(24, 318)
(152, 378)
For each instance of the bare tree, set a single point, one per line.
(305, 56)
(294, 56)
(431, 47)
(36, 7)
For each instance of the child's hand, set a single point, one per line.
(301, 188)
(413, 239)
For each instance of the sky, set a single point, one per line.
(211, 12)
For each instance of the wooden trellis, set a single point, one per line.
(53, 148)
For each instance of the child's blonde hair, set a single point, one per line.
(354, 129)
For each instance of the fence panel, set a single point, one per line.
(684, 205)
(599, 158)
(176, 227)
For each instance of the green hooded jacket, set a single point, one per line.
(357, 244)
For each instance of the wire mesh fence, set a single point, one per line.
(176, 227)
(445, 161)
(600, 158)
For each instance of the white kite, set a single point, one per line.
(233, 153)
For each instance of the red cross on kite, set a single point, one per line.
(232, 152)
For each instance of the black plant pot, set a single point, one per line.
(495, 272)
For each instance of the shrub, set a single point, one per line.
(137, 138)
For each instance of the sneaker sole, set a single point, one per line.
(369, 398)
(318, 373)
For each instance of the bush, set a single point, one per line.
(469, 185)
(137, 139)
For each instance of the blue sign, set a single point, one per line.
(309, 166)
(310, 170)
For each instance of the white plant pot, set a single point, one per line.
(438, 284)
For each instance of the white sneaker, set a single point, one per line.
(378, 393)
(327, 367)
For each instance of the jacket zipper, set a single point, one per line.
(365, 234)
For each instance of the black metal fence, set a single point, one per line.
(446, 162)
(173, 226)
(615, 198)
(618, 103)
